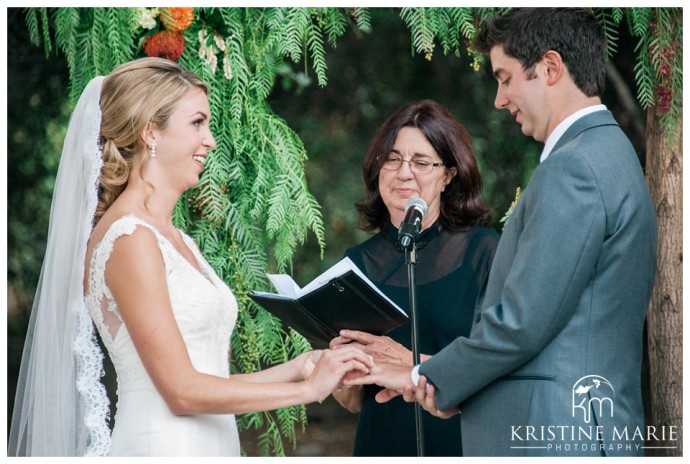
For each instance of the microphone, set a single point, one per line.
(415, 210)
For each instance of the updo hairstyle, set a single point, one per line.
(135, 94)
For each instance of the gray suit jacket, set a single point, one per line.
(553, 362)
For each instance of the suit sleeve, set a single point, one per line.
(544, 261)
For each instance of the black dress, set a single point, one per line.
(451, 270)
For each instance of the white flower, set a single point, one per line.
(505, 218)
(227, 68)
(207, 52)
(209, 49)
(213, 62)
(146, 17)
(202, 37)
(220, 43)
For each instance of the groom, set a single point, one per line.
(552, 365)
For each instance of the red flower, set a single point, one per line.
(165, 44)
(176, 19)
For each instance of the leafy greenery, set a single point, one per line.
(659, 64)
(659, 60)
(253, 209)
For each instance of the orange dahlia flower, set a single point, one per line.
(165, 44)
(177, 19)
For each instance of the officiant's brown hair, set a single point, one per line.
(462, 206)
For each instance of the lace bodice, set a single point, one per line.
(204, 308)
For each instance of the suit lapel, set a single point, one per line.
(598, 118)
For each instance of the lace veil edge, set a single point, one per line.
(61, 407)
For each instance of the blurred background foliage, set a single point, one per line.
(370, 74)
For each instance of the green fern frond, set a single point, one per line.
(81, 69)
(421, 23)
(318, 53)
(362, 18)
(46, 30)
(265, 76)
(288, 416)
(448, 33)
(37, 24)
(297, 21)
(638, 20)
(279, 203)
(610, 27)
(241, 75)
(645, 84)
(67, 24)
(253, 264)
(101, 34)
(250, 421)
(467, 22)
(270, 442)
(311, 211)
(618, 15)
(334, 23)
(120, 36)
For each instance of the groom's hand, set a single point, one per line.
(425, 395)
(389, 376)
(386, 395)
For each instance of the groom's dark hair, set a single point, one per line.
(526, 34)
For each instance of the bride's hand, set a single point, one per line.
(332, 365)
(309, 361)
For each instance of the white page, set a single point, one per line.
(338, 269)
(284, 284)
(274, 296)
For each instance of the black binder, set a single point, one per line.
(344, 302)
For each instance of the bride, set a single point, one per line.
(115, 258)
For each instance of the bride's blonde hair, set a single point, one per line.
(138, 93)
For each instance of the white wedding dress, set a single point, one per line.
(205, 310)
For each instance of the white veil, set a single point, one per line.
(61, 407)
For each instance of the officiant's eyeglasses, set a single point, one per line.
(418, 166)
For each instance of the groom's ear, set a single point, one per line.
(553, 62)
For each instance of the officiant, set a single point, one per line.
(423, 151)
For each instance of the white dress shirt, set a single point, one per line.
(563, 126)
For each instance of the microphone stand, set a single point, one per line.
(411, 260)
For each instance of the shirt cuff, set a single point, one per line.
(415, 374)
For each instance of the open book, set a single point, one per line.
(340, 298)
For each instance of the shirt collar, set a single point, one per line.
(563, 126)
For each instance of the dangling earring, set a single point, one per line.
(153, 150)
